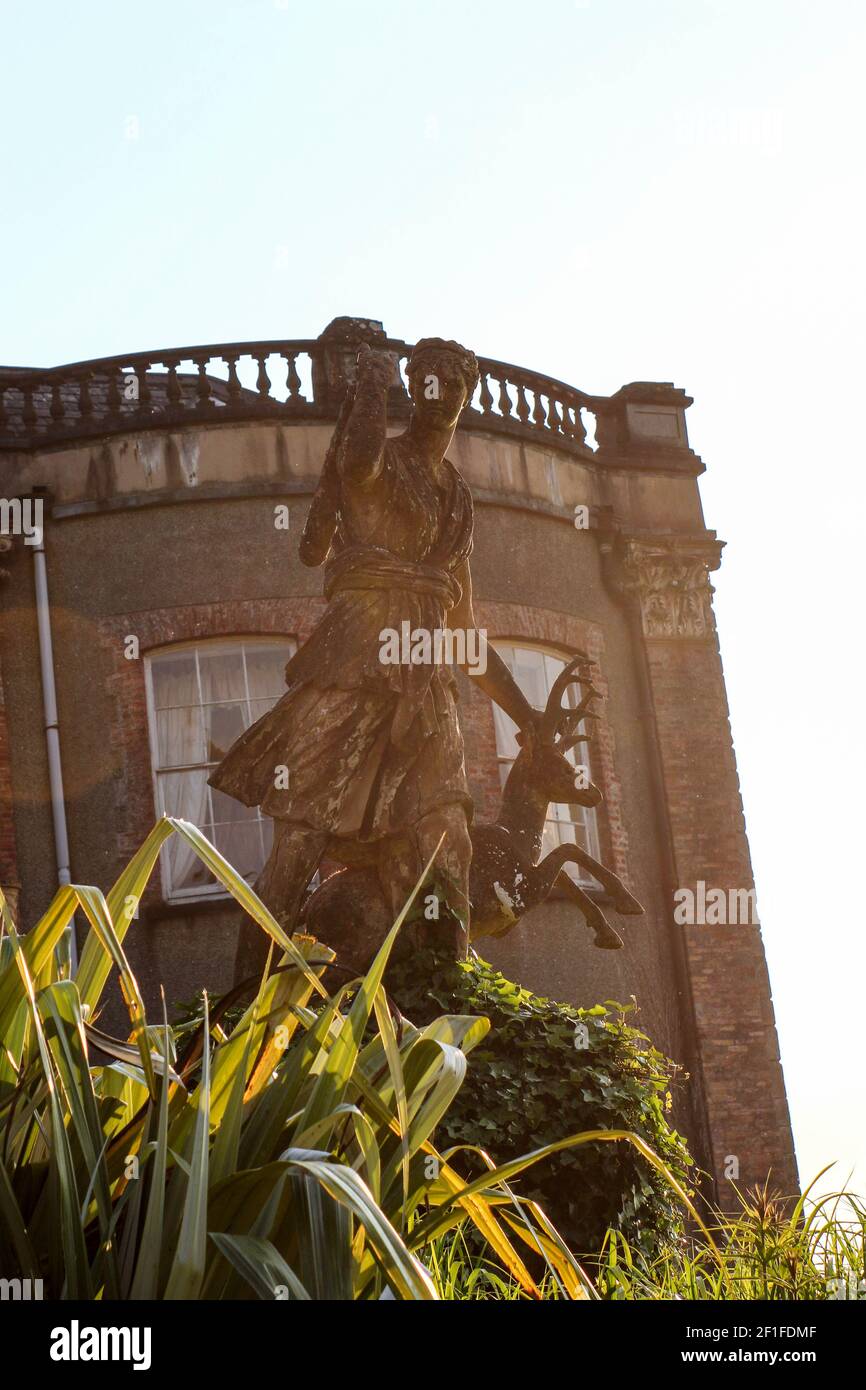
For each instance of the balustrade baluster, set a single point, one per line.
(293, 381)
(522, 404)
(112, 395)
(202, 385)
(85, 404)
(506, 404)
(28, 414)
(144, 393)
(485, 400)
(55, 410)
(577, 431)
(172, 385)
(539, 414)
(263, 384)
(234, 386)
(554, 423)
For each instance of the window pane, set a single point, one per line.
(174, 679)
(535, 672)
(529, 672)
(223, 724)
(553, 665)
(222, 674)
(266, 667)
(550, 839)
(186, 870)
(240, 843)
(563, 830)
(506, 729)
(180, 736)
(184, 794)
(198, 709)
(260, 707)
(227, 810)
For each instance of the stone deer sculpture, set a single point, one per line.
(508, 877)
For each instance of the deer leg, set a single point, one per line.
(604, 935)
(547, 873)
(622, 899)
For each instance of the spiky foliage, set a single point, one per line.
(288, 1156)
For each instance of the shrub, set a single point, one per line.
(528, 1084)
(289, 1155)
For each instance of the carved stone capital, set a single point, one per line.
(670, 576)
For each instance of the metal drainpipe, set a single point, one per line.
(52, 732)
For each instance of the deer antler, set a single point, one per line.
(572, 720)
(553, 710)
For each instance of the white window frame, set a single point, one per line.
(200, 892)
(579, 756)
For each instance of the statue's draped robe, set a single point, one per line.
(356, 747)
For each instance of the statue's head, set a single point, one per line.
(442, 378)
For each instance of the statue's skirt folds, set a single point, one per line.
(360, 746)
(328, 759)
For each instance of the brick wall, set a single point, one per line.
(744, 1087)
(8, 854)
(667, 577)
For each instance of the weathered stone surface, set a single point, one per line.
(370, 748)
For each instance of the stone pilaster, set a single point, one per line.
(668, 577)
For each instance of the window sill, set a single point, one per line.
(214, 906)
(188, 907)
(591, 890)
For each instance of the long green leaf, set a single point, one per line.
(13, 1230)
(95, 964)
(146, 1277)
(37, 949)
(336, 1074)
(401, 1268)
(188, 1269)
(59, 1009)
(263, 1267)
(76, 1267)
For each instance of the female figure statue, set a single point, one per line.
(361, 761)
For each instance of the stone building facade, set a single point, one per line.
(174, 488)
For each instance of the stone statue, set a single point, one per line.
(507, 876)
(370, 750)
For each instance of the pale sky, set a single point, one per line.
(608, 191)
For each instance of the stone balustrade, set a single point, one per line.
(305, 379)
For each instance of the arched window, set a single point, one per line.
(535, 669)
(200, 697)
